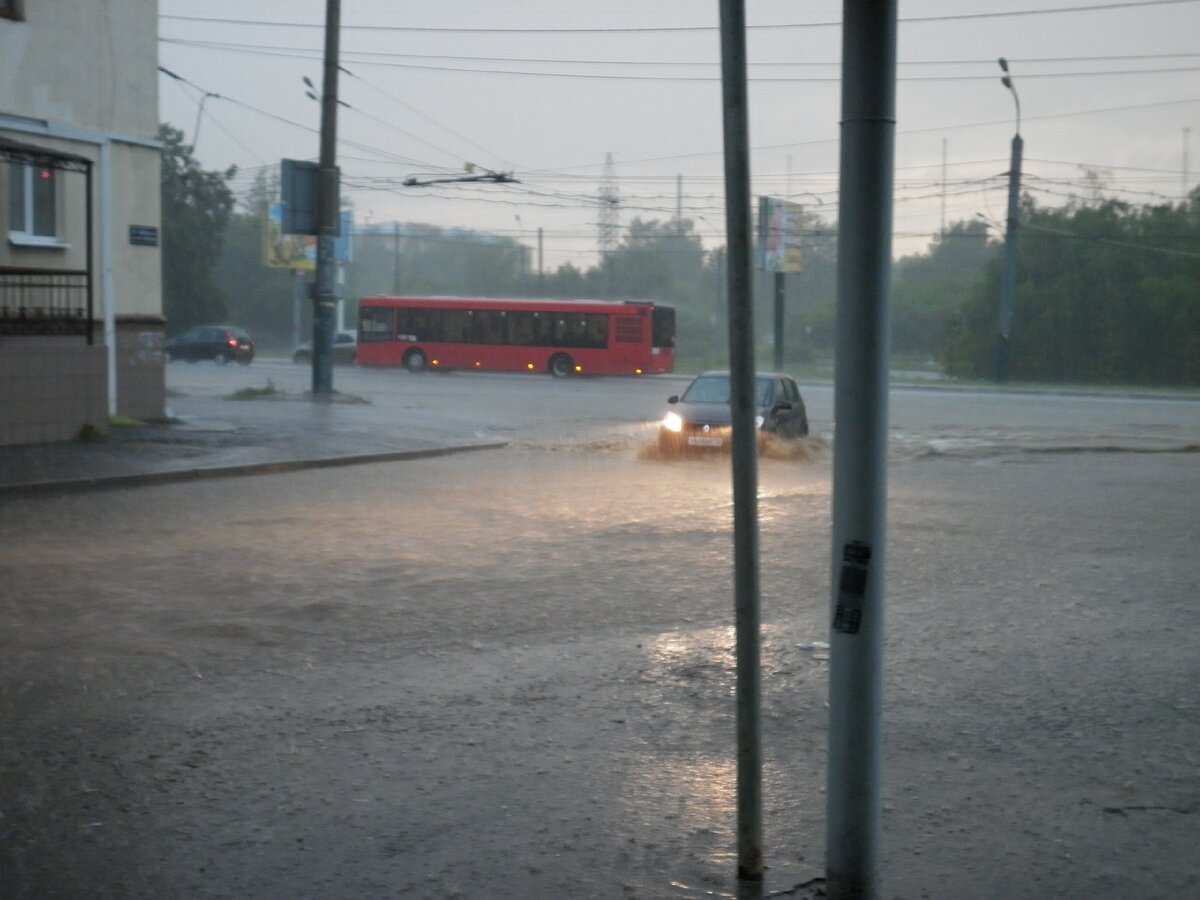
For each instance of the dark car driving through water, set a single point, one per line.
(700, 418)
(220, 343)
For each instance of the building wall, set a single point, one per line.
(77, 78)
(141, 393)
(90, 64)
(49, 389)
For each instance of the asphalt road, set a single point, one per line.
(933, 420)
(509, 674)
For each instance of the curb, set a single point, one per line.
(109, 482)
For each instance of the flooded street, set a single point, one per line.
(510, 674)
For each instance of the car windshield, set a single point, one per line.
(715, 389)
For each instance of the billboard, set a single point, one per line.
(299, 251)
(780, 246)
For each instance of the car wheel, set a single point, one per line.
(221, 358)
(300, 358)
(415, 361)
(561, 365)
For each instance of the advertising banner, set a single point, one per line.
(780, 246)
(299, 251)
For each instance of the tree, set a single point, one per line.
(196, 206)
(260, 298)
(1106, 293)
(930, 289)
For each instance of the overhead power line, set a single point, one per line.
(661, 63)
(361, 58)
(681, 29)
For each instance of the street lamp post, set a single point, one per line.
(1008, 276)
(199, 115)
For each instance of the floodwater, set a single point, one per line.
(510, 674)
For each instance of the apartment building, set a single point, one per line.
(81, 325)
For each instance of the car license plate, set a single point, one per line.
(698, 441)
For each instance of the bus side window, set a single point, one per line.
(543, 329)
(402, 330)
(597, 331)
(457, 324)
(489, 327)
(425, 324)
(375, 324)
(571, 331)
(520, 328)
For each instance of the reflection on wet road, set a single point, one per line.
(511, 674)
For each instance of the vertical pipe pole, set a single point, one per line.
(327, 211)
(108, 289)
(853, 806)
(299, 293)
(396, 258)
(779, 284)
(541, 270)
(91, 256)
(1008, 276)
(745, 439)
(1184, 180)
(942, 230)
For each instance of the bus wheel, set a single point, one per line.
(561, 365)
(415, 361)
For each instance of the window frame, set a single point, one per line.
(23, 201)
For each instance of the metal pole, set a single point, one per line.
(199, 115)
(91, 255)
(108, 290)
(853, 807)
(396, 258)
(299, 292)
(745, 439)
(1008, 276)
(942, 230)
(779, 284)
(327, 211)
(1184, 182)
(541, 271)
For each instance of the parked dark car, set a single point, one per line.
(700, 418)
(220, 343)
(345, 349)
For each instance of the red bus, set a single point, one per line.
(562, 337)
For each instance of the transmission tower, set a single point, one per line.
(610, 203)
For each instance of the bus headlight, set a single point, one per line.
(672, 422)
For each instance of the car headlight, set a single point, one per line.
(758, 421)
(672, 422)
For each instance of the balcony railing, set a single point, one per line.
(45, 302)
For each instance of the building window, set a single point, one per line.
(12, 9)
(32, 202)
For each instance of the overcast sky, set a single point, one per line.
(545, 90)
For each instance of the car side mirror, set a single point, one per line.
(674, 398)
